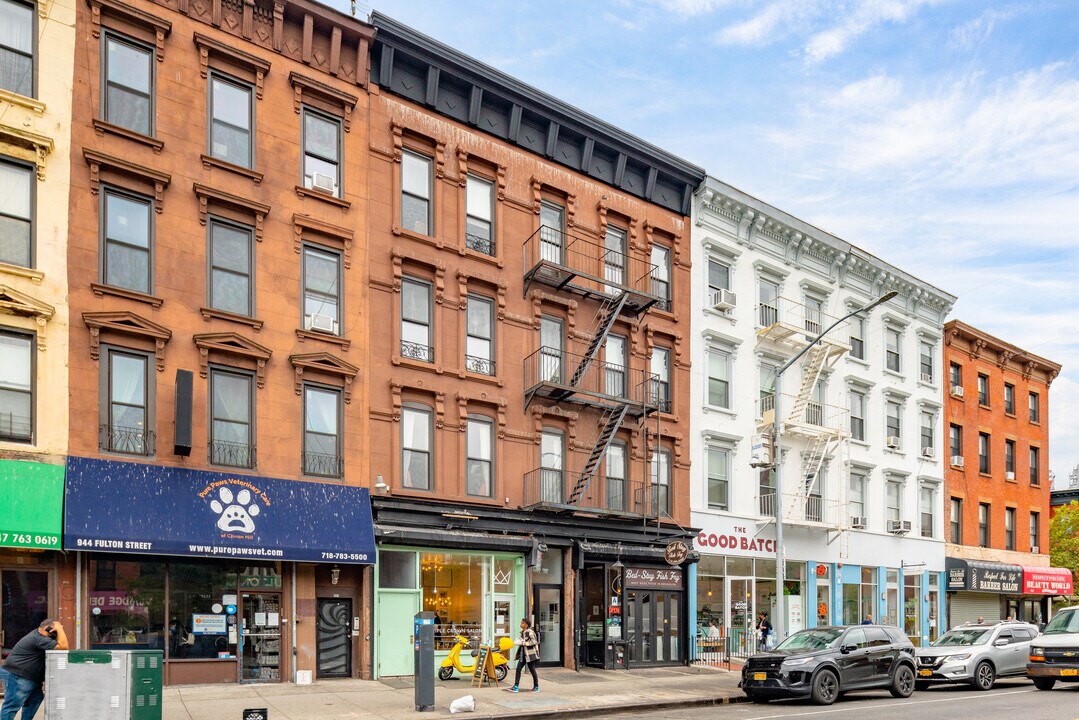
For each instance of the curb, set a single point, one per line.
(615, 709)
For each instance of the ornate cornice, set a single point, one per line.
(978, 344)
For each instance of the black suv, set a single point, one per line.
(823, 662)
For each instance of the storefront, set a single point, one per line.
(980, 589)
(1040, 584)
(32, 498)
(221, 572)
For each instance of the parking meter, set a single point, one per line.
(424, 660)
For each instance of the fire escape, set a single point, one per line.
(621, 286)
(818, 431)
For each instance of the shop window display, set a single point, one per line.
(194, 589)
(912, 607)
(127, 605)
(893, 598)
(454, 589)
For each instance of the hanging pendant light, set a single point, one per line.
(469, 574)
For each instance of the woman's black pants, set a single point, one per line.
(531, 668)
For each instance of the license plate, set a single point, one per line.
(925, 673)
(760, 676)
(1069, 673)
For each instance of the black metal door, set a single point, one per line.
(334, 638)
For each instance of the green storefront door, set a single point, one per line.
(32, 496)
(396, 615)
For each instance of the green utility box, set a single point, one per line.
(103, 684)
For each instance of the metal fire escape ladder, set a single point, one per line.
(813, 459)
(612, 420)
(811, 371)
(608, 311)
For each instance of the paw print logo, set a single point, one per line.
(236, 514)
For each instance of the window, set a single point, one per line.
(766, 376)
(322, 451)
(479, 345)
(416, 448)
(891, 355)
(983, 453)
(416, 193)
(983, 524)
(1009, 528)
(128, 261)
(928, 441)
(893, 426)
(1009, 398)
(661, 368)
(955, 440)
(614, 258)
(768, 307)
(480, 455)
(661, 482)
(16, 204)
(231, 411)
(614, 354)
(1035, 532)
(321, 152)
(551, 343)
(719, 372)
(893, 508)
(552, 465)
(926, 500)
(925, 362)
(127, 416)
(814, 309)
(1035, 472)
(321, 290)
(956, 521)
(552, 231)
(766, 493)
(857, 337)
(1009, 457)
(232, 120)
(17, 40)
(718, 474)
(719, 278)
(955, 375)
(1035, 410)
(479, 214)
(983, 390)
(416, 320)
(16, 387)
(857, 415)
(661, 277)
(129, 84)
(231, 273)
(616, 477)
(857, 493)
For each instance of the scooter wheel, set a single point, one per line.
(501, 672)
(445, 673)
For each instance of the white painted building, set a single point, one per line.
(862, 477)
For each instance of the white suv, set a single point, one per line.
(1055, 654)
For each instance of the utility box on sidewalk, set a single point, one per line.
(103, 684)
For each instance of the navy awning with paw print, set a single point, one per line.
(126, 507)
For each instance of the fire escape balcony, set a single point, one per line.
(791, 324)
(558, 375)
(551, 489)
(566, 262)
(802, 510)
(804, 418)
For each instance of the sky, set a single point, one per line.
(940, 135)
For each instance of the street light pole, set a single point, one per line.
(780, 621)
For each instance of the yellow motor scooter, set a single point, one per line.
(453, 660)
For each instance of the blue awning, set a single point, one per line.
(125, 507)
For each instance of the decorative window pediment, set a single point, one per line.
(326, 364)
(255, 66)
(99, 162)
(14, 302)
(160, 27)
(305, 87)
(35, 146)
(129, 324)
(208, 195)
(304, 226)
(235, 346)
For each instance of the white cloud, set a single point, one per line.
(690, 8)
(850, 26)
(973, 32)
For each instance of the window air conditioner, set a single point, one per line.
(322, 323)
(957, 460)
(723, 299)
(957, 391)
(892, 442)
(899, 527)
(1035, 549)
(859, 522)
(325, 183)
(927, 453)
(927, 378)
(1009, 476)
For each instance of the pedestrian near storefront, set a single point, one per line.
(764, 630)
(527, 655)
(23, 672)
(868, 620)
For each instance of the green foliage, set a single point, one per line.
(1064, 538)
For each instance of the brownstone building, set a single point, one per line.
(529, 365)
(218, 291)
(997, 488)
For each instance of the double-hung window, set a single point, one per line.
(614, 259)
(479, 215)
(893, 498)
(416, 193)
(479, 343)
(321, 152)
(232, 121)
(766, 380)
(18, 39)
(892, 340)
(928, 441)
(231, 268)
(614, 355)
(857, 415)
(983, 390)
(661, 481)
(661, 368)
(661, 276)
(983, 524)
(983, 453)
(1035, 470)
(616, 477)
(719, 373)
(857, 494)
(232, 399)
(322, 446)
(17, 182)
(955, 375)
(16, 387)
(719, 460)
(1035, 531)
(416, 320)
(1035, 408)
(478, 475)
(128, 85)
(956, 521)
(893, 426)
(416, 448)
(1009, 458)
(128, 241)
(127, 415)
(857, 337)
(1009, 528)
(955, 441)
(927, 499)
(321, 290)
(925, 363)
(1009, 398)
(719, 278)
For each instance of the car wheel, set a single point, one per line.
(1044, 683)
(921, 685)
(445, 673)
(902, 682)
(984, 676)
(825, 687)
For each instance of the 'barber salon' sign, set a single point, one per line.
(653, 578)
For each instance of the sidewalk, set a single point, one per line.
(563, 692)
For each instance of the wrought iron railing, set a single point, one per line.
(553, 489)
(480, 244)
(479, 365)
(126, 440)
(553, 371)
(801, 508)
(731, 645)
(232, 454)
(814, 414)
(786, 318)
(417, 351)
(323, 465)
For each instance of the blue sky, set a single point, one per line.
(942, 135)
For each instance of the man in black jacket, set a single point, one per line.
(23, 673)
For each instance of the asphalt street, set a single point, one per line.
(1010, 699)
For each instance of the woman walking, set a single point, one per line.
(527, 655)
